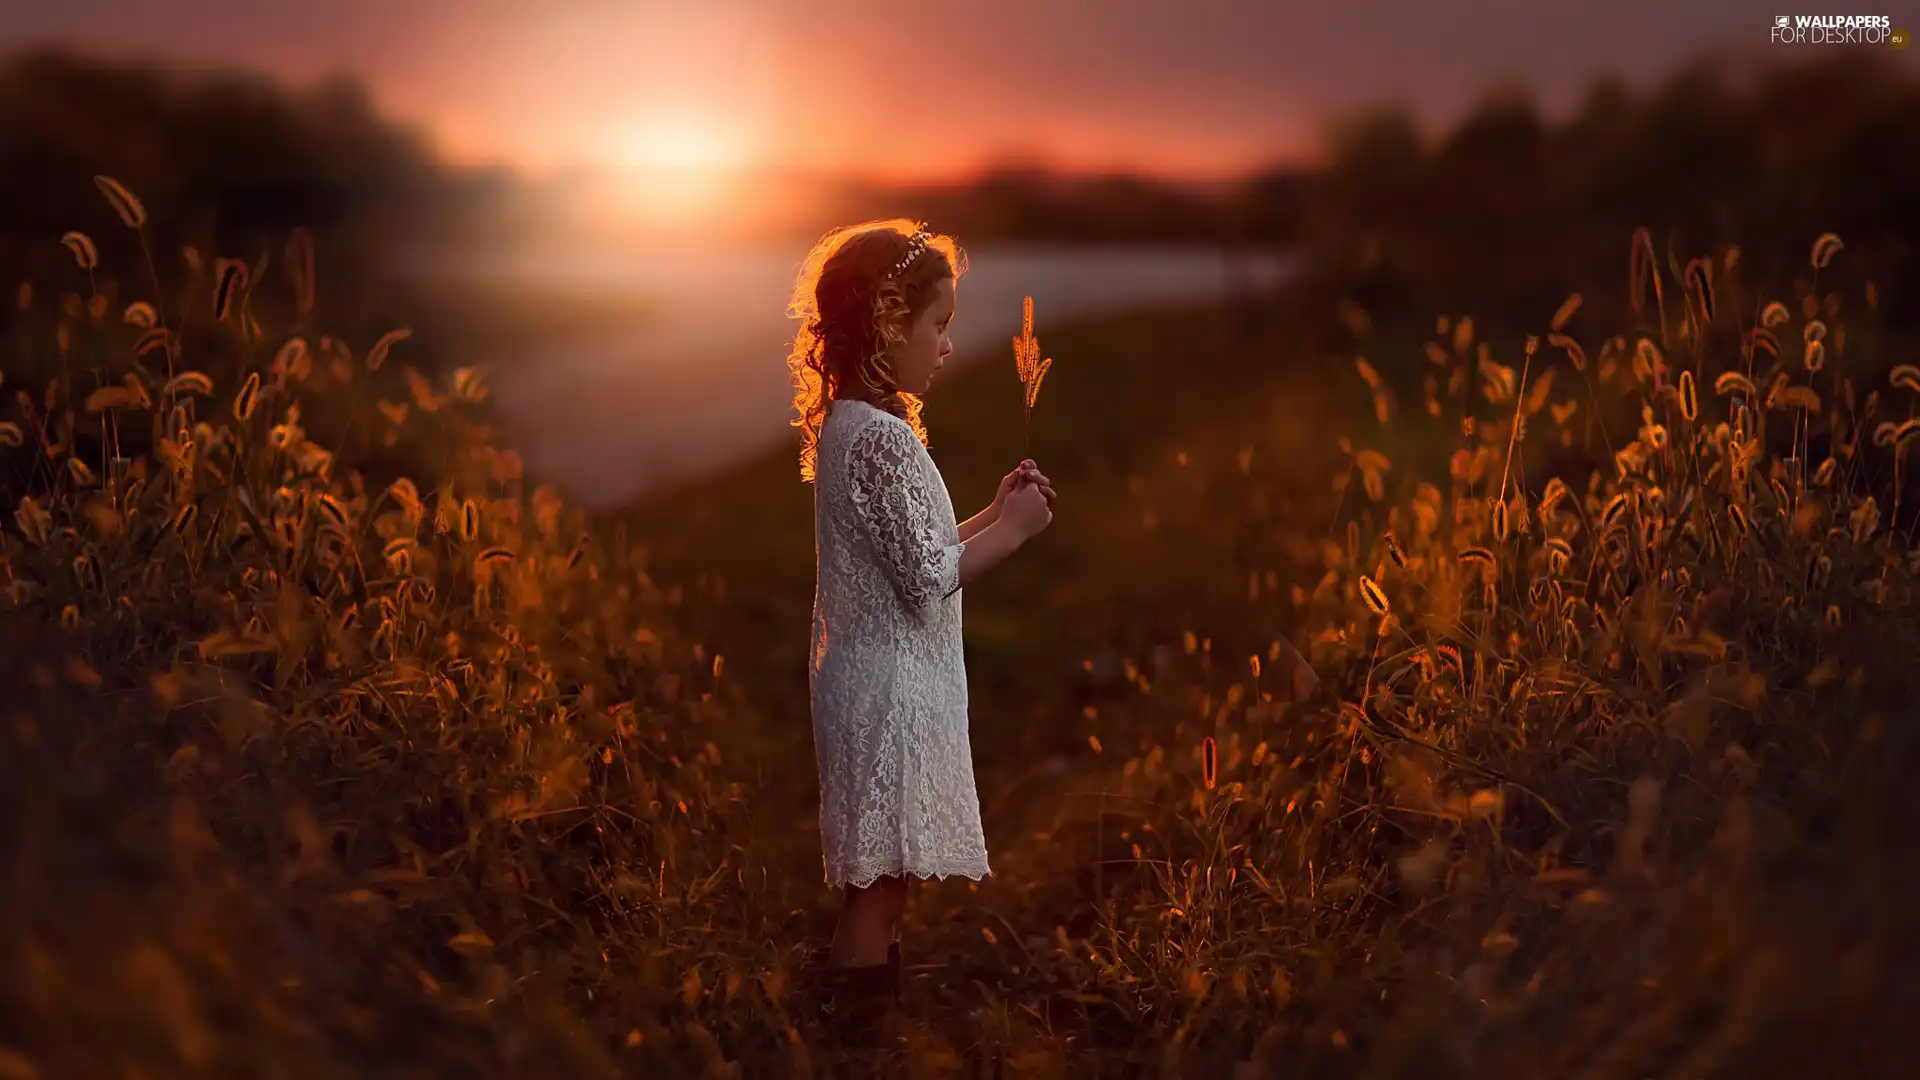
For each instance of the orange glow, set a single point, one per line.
(679, 143)
(675, 169)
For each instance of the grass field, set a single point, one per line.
(314, 770)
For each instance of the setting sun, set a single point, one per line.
(674, 169)
(678, 143)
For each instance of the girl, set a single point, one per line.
(887, 677)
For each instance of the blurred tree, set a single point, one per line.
(226, 162)
(193, 145)
(1484, 198)
(1273, 207)
(1363, 217)
(1509, 213)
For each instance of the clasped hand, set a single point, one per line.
(1031, 519)
(1026, 473)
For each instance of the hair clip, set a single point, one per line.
(915, 247)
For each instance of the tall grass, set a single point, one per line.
(315, 769)
(1615, 784)
(354, 766)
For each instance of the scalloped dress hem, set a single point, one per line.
(862, 879)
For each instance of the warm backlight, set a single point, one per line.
(677, 168)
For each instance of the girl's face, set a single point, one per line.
(927, 345)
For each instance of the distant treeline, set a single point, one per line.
(227, 162)
(1507, 213)
(1030, 203)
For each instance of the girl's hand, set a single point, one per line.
(1027, 472)
(1026, 511)
(1039, 479)
(1007, 485)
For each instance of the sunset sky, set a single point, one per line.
(1195, 88)
(1198, 89)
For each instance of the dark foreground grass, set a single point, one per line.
(311, 772)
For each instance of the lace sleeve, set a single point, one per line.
(896, 511)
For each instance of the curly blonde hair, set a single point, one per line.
(850, 312)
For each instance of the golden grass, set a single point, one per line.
(322, 770)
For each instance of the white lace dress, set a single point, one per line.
(887, 675)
